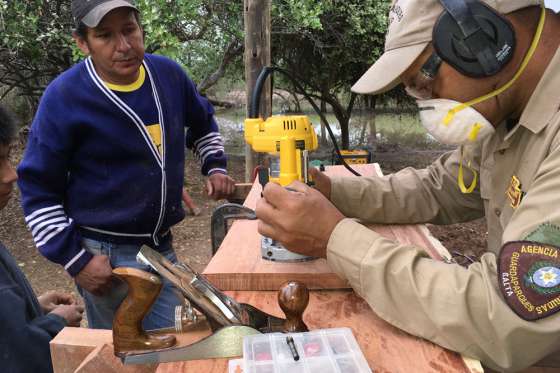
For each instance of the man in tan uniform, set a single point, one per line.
(502, 310)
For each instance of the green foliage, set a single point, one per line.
(340, 37)
(327, 44)
(161, 17)
(36, 38)
(304, 13)
(193, 32)
(34, 43)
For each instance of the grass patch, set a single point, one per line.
(405, 130)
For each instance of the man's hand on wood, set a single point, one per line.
(219, 186)
(96, 277)
(302, 219)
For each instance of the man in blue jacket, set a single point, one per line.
(28, 323)
(103, 171)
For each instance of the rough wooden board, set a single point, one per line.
(238, 264)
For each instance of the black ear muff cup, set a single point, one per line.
(452, 46)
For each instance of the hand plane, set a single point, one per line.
(229, 320)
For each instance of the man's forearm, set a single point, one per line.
(460, 309)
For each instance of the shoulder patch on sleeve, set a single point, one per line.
(529, 278)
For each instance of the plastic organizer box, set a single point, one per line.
(319, 351)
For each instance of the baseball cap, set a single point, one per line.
(91, 12)
(410, 31)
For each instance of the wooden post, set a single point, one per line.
(257, 55)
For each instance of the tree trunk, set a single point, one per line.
(372, 102)
(372, 139)
(364, 122)
(323, 124)
(221, 103)
(343, 121)
(234, 49)
(344, 133)
(257, 56)
(297, 103)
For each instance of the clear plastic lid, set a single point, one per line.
(324, 351)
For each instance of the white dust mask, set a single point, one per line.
(464, 127)
(453, 123)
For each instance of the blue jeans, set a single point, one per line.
(101, 309)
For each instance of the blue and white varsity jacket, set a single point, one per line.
(91, 167)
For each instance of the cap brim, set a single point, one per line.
(385, 74)
(95, 16)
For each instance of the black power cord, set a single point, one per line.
(254, 108)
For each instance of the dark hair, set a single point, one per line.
(7, 127)
(82, 30)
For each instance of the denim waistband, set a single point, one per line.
(162, 238)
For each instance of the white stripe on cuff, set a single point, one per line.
(213, 170)
(74, 259)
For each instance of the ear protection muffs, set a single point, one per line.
(473, 38)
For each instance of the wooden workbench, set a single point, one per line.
(386, 348)
(238, 266)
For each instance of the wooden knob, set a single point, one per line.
(293, 298)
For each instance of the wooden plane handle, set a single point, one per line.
(128, 334)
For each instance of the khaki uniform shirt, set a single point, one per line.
(458, 308)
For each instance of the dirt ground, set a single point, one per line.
(192, 236)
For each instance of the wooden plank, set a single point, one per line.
(103, 360)
(240, 193)
(238, 264)
(72, 345)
